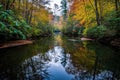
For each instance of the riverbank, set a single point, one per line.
(108, 41)
(15, 43)
(113, 42)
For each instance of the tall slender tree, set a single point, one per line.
(117, 7)
(97, 12)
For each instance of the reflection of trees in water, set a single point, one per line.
(85, 61)
(35, 68)
(108, 59)
(65, 60)
(84, 64)
(86, 74)
(10, 62)
(43, 45)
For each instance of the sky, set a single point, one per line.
(52, 6)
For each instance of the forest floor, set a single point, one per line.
(15, 43)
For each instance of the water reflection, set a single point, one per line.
(60, 59)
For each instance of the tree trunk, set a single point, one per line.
(19, 4)
(26, 12)
(117, 8)
(101, 11)
(12, 5)
(7, 4)
(96, 12)
(116, 5)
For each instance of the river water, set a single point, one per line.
(60, 58)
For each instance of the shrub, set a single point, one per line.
(73, 28)
(95, 32)
(115, 25)
(11, 28)
(42, 30)
(112, 21)
(36, 32)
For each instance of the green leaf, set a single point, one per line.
(2, 25)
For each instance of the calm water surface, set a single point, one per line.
(60, 58)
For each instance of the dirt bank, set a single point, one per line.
(15, 43)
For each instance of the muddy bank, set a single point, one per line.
(15, 43)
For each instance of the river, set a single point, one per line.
(60, 58)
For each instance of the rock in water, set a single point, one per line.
(86, 39)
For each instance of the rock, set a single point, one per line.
(86, 39)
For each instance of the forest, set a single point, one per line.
(96, 19)
(23, 19)
(59, 39)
